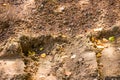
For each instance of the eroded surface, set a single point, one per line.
(72, 19)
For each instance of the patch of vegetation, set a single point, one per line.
(36, 46)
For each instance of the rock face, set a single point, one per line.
(79, 62)
(109, 54)
(11, 63)
(110, 59)
(65, 57)
(10, 68)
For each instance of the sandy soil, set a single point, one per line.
(59, 40)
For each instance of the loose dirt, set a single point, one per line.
(56, 40)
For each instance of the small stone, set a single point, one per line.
(64, 57)
(100, 64)
(60, 9)
(63, 36)
(79, 36)
(4, 4)
(95, 79)
(73, 56)
(51, 77)
(98, 29)
(80, 59)
(118, 48)
(42, 77)
(68, 73)
(90, 43)
(104, 40)
(100, 47)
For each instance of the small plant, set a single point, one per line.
(112, 38)
(31, 53)
(41, 48)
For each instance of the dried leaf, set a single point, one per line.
(92, 39)
(41, 48)
(98, 55)
(43, 55)
(31, 53)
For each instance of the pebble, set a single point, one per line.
(60, 9)
(118, 49)
(73, 56)
(100, 47)
(68, 73)
(104, 40)
(98, 29)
